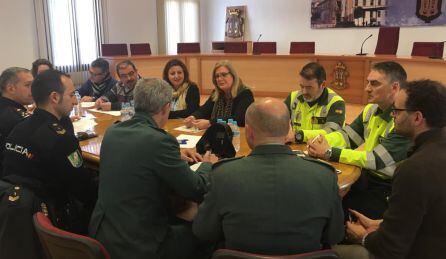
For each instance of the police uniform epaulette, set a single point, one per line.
(225, 160)
(321, 162)
(56, 127)
(22, 113)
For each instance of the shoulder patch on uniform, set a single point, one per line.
(220, 162)
(339, 111)
(22, 113)
(75, 159)
(321, 162)
(58, 128)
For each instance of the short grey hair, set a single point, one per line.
(151, 94)
(10, 76)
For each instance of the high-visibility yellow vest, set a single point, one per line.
(373, 130)
(313, 120)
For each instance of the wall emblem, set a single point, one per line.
(428, 10)
(340, 75)
(235, 23)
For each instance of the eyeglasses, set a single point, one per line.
(224, 74)
(130, 74)
(395, 111)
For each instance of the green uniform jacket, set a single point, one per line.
(382, 149)
(320, 117)
(272, 202)
(140, 166)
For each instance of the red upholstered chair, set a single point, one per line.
(114, 50)
(264, 48)
(58, 243)
(140, 49)
(428, 49)
(233, 254)
(188, 47)
(302, 47)
(388, 39)
(236, 47)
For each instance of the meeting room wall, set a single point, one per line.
(133, 21)
(284, 21)
(18, 46)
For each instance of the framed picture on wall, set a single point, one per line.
(374, 13)
(235, 23)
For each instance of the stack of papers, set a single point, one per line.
(186, 129)
(84, 124)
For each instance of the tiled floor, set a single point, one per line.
(352, 109)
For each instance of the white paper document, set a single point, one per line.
(87, 104)
(83, 125)
(195, 166)
(113, 113)
(186, 129)
(188, 141)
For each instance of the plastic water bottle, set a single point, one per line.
(236, 134)
(125, 111)
(131, 110)
(78, 106)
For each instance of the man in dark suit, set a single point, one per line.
(140, 166)
(413, 225)
(272, 201)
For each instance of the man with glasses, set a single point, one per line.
(121, 92)
(99, 83)
(315, 109)
(15, 93)
(381, 148)
(413, 225)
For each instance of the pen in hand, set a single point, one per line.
(316, 138)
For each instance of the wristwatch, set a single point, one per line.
(299, 137)
(327, 154)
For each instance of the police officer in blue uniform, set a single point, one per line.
(42, 155)
(15, 90)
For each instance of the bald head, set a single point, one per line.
(268, 118)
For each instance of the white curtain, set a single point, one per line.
(182, 23)
(73, 32)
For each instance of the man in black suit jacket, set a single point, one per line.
(272, 201)
(413, 225)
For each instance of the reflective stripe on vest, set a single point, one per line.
(300, 117)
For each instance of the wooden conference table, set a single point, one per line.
(91, 147)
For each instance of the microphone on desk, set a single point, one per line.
(256, 51)
(361, 53)
(260, 36)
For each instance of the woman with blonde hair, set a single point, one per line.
(186, 97)
(229, 100)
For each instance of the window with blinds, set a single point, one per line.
(73, 33)
(181, 23)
